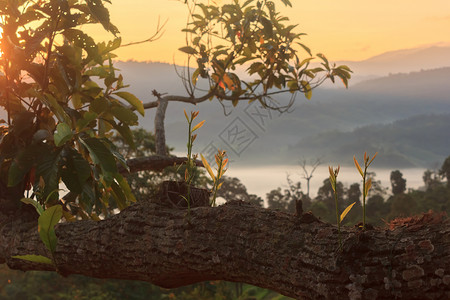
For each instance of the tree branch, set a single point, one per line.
(297, 257)
(153, 163)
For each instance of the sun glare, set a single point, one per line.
(1, 32)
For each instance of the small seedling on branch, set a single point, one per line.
(367, 183)
(189, 173)
(333, 181)
(221, 162)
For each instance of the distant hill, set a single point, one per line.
(423, 84)
(377, 101)
(401, 61)
(163, 77)
(419, 141)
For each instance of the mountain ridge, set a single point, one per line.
(377, 101)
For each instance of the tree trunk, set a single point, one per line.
(297, 256)
(160, 136)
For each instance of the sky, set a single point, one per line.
(341, 29)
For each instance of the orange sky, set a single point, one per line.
(341, 29)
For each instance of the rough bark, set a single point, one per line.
(296, 256)
(160, 135)
(153, 163)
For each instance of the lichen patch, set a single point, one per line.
(413, 272)
(426, 245)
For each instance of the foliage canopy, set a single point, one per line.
(63, 99)
(254, 39)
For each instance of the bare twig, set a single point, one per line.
(308, 174)
(157, 35)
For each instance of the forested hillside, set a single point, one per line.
(281, 137)
(419, 141)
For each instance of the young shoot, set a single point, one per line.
(221, 162)
(367, 183)
(333, 181)
(189, 173)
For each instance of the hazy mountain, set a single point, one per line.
(419, 141)
(273, 137)
(400, 61)
(145, 76)
(418, 85)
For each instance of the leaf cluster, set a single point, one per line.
(255, 37)
(63, 100)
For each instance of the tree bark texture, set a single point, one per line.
(153, 163)
(297, 256)
(160, 135)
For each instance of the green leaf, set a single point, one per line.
(46, 226)
(307, 90)
(119, 196)
(48, 168)
(41, 135)
(33, 202)
(268, 29)
(124, 115)
(208, 167)
(29, 16)
(126, 189)
(358, 166)
(375, 155)
(75, 171)
(125, 131)
(55, 107)
(255, 67)
(133, 100)
(99, 105)
(326, 64)
(101, 13)
(346, 210)
(306, 48)
(188, 50)
(195, 76)
(88, 117)
(115, 152)
(62, 134)
(286, 2)
(20, 166)
(199, 125)
(368, 186)
(84, 41)
(102, 156)
(35, 258)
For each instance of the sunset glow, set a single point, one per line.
(343, 30)
(1, 32)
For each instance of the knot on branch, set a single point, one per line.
(156, 94)
(308, 218)
(177, 194)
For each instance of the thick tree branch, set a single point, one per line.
(197, 100)
(153, 163)
(192, 100)
(296, 256)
